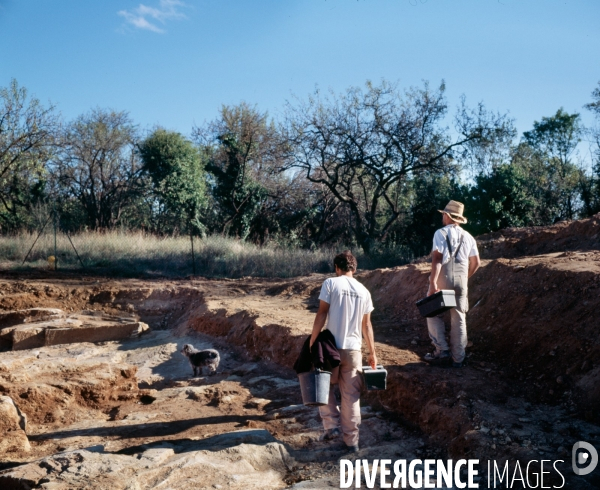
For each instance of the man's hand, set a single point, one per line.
(373, 360)
(474, 263)
(432, 289)
(319, 321)
(367, 331)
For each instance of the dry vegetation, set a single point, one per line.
(130, 254)
(134, 253)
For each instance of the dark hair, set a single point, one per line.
(345, 261)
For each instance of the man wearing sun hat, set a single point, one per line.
(454, 258)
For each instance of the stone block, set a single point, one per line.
(12, 425)
(19, 317)
(6, 337)
(92, 333)
(28, 337)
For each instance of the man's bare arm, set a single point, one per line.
(474, 263)
(436, 267)
(367, 330)
(320, 320)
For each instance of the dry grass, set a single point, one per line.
(132, 254)
(139, 254)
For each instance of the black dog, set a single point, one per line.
(201, 358)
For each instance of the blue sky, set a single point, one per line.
(174, 63)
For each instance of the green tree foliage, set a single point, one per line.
(502, 199)
(97, 168)
(317, 216)
(594, 106)
(177, 172)
(493, 141)
(590, 191)
(243, 155)
(522, 192)
(366, 168)
(429, 192)
(27, 141)
(555, 140)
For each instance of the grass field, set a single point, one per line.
(140, 254)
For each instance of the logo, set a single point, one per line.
(585, 458)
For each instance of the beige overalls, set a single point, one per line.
(454, 275)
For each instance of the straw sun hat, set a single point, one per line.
(455, 210)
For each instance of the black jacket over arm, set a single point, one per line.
(323, 355)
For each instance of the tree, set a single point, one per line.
(428, 192)
(502, 199)
(244, 152)
(594, 106)
(27, 137)
(555, 139)
(590, 192)
(364, 145)
(301, 213)
(98, 166)
(493, 146)
(177, 172)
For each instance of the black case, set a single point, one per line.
(437, 303)
(375, 379)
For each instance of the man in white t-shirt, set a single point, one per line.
(454, 258)
(346, 305)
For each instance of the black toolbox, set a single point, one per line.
(437, 303)
(375, 379)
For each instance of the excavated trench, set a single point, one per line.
(127, 413)
(529, 391)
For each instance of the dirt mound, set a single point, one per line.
(532, 319)
(564, 236)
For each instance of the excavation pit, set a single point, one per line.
(522, 394)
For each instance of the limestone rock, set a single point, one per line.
(18, 317)
(59, 385)
(12, 427)
(28, 337)
(243, 466)
(200, 393)
(60, 330)
(258, 402)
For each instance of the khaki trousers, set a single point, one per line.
(350, 383)
(458, 334)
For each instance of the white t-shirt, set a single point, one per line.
(467, 249)
(348, 302)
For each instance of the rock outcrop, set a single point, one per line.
(57, 385)
(234, 464)
(12, 427)
(39, 327)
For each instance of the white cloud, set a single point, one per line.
(150, 18)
